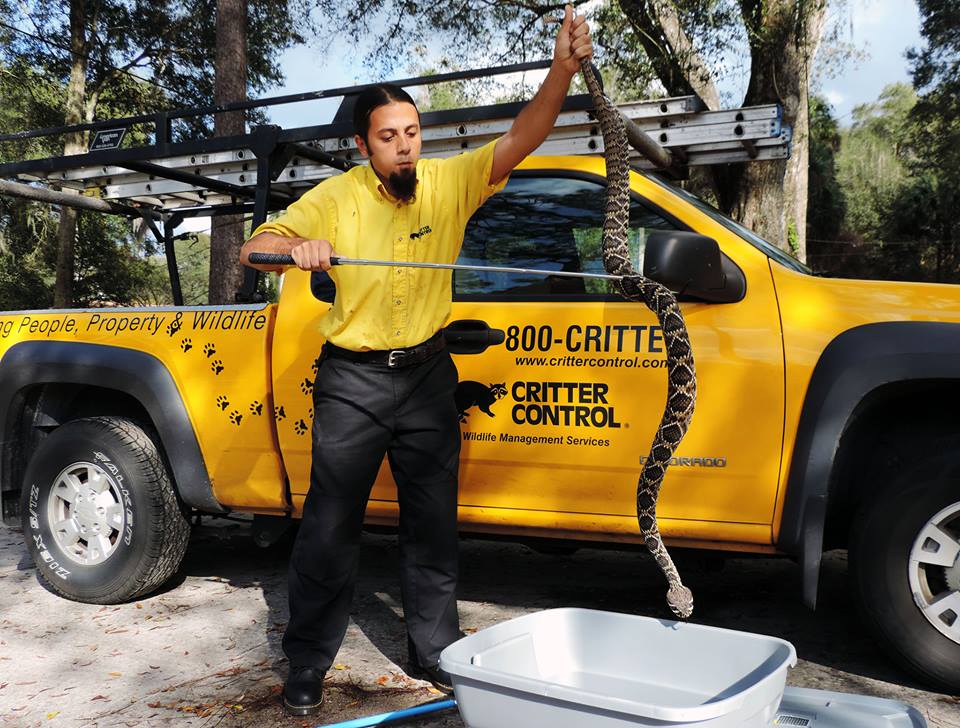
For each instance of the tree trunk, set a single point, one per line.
(771, 197)
(74, 144)
(230, 84)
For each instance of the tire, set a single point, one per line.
(122, 530)
(905, 566)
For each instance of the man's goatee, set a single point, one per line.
(403, 183)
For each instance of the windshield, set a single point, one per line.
(751, 237)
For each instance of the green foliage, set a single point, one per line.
(885, 199)
(899, 167)
(871, 161)
(193, 262)
(826, 199)
(193, 265)
(169, 43)
(793, 237)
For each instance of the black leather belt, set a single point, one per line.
(393, 358)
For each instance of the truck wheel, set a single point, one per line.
(905, 565)
(101, 517)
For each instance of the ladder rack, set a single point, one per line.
(702, 137)
(269, 167)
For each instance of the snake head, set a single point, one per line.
(680, 601)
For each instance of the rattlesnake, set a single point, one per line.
(681, 375)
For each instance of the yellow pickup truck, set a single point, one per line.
(825, 417)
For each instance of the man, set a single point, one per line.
(385, 384)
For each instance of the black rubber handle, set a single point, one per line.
(279, 259)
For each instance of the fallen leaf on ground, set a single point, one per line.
(338, 666)
(54, 714)
(99, 697)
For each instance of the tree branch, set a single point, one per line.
(696, 70)
(674, 59)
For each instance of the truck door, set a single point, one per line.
(555, 421)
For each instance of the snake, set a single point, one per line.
(681, 373)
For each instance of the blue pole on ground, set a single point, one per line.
(394, 716)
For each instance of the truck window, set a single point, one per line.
(547, 223)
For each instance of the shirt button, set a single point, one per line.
(398, 302)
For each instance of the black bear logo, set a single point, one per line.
(474, 394)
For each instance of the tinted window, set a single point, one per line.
(545, 223)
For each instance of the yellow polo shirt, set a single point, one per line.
(380, 307)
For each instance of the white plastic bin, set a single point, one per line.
(572, 668)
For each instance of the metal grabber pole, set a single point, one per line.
(284, 259)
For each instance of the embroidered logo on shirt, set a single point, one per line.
(421, 232)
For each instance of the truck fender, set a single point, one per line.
(854, 364)
(140, 375)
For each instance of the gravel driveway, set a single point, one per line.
(205, 651)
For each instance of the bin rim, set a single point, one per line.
(458, 667)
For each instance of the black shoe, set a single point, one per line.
(440, 679)
(303, 691)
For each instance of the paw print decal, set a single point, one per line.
(310, 414)
(256, 408)
(235, 417)
(174, 326)
(186, 345)
(209, 350)
(223, 402)
(316, 364)
(306, 386)
(278, 413)
(301, 427)
(216, 366)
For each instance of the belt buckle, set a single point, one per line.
(394, 356)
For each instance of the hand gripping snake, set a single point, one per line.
(681, 375)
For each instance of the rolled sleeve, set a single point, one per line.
(471, 176)
(305, 218)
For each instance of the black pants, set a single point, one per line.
(361, 412)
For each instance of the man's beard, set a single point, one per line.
(403, 183)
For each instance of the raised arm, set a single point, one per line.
(537, 118)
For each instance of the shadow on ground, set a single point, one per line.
(501, 580)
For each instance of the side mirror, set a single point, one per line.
(692, 265)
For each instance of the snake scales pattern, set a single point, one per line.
(681, 374)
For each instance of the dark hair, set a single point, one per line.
(374, 97)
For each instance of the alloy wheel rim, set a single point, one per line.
(85, 513)
(934, 570)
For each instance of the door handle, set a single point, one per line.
(471, 336)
